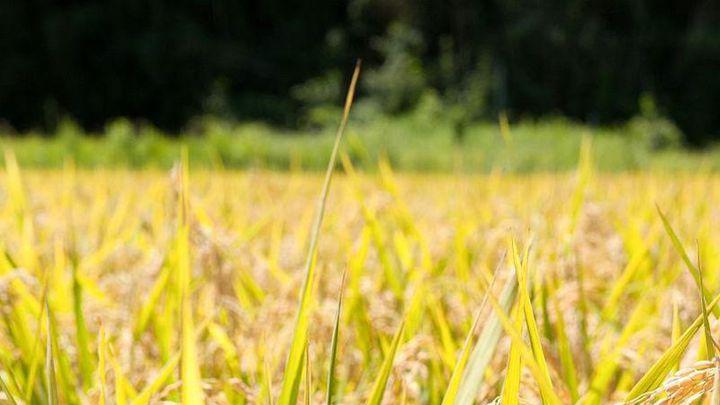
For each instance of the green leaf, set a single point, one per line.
(50, 361)
(451, 393)
(511, 385)
(694, 271)
(664, 365)
(153, 388)
(546, 389)
(191, 391)
(566, 358)
(334, 343)
(378, 390)
(293, 368)
(81, 331)
(484, 349)
(526, 305)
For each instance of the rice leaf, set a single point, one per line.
(567, 362)
(451, 393)
(611, 352)
(511, 385)
(546, 389)
(265, 396)
(331, 383)
(308, 376)
(709, 341)
(526, 305)
(694, 271)
(50, 361)
(293, 367)
(664, 365)
(378, 389)
(157, 383)
(442, 327)
(485, 346)
(191, 391)
(81, 332)
(122, 385)
(36, 356)
(220, 336)
(149, 303)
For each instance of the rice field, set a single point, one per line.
(136, 287)
(224, 287)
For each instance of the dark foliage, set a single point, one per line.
(167, 61)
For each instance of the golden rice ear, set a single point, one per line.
(685, 386)
(715, 399)
(654, 377)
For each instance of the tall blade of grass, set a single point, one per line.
(664, 365)
(293, 367)
(511, 385)
(453, 387)
(308, 376)
(446, 346)
(191, 391)
(567, 362)
(546, 389)
(221, 338)
(81, 331)
(153, 388)
(611, 351)
(334, 343)
(149, 303)
(614, 300)
(378, 389)
(50, 361)
(694, 271)
(265, 396)
(709, 341)
(526, 305)
(68, 386)
(122, 385)
(36, 357)
(485, 346)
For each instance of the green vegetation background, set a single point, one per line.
(424, 140)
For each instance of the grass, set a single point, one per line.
(182, 286)
(145, 243)
(412, 142)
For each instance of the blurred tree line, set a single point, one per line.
(285, 61)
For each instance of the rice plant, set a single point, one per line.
(226, 287)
